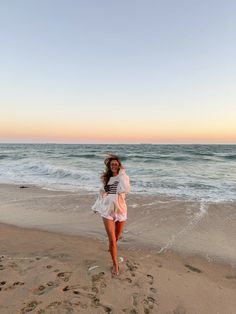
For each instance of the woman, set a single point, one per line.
(111, 203)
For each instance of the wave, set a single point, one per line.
(11, 157)
(180, 158)
(48, 171)
(148, 159)
(210, 154)
(230, 157)
(89, 156)
(99, 155)
(201, 186)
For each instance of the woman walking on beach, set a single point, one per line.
(111, 203)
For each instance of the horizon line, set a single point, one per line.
(66, 143)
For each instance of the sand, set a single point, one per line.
(65, 270)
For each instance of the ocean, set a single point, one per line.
(195, 172)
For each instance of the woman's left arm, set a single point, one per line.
(124, 184)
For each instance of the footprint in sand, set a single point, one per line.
(49, 266)
(66, 288)
(2, 283)
(77, 302)
(60, 256)
(95, 290)
(179, 310)
(96, 303)
(18, 283)
(130, 311)
(149, 303)
(98, 281)
(65, 276)
(73, 287)
(128, 280)
(78, 290)
(153, 290)
(151, 279)
(45, 289)
(14, 285)
(2, 267)
(50, 283)
(13, 265)
(135, 299)
(29, 307)
(107, 309)
(131, 267)
(83, 291)
(60, 307)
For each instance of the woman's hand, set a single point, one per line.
(104, 194)
(122, 167)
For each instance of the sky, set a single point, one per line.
(126, 71)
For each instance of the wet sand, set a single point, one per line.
(154, 221)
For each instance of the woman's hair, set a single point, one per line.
(108, 173)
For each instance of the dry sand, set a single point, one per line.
(51, 272)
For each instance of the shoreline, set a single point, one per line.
(160, 224)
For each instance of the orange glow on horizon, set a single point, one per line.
(115, 131)
(190, 138)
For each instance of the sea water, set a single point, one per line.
(198, 172)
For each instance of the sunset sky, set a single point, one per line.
(124, 71)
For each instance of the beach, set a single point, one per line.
(124, 109)
(54, 256)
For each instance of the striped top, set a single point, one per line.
(111, 188)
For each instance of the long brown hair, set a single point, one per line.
(108, 173)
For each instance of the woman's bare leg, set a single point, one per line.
(110, 229)
(119, 225)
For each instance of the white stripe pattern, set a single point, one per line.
(111, 188)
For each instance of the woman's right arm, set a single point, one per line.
(124, 184)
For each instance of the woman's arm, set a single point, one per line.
(102, 191)
(124, 184)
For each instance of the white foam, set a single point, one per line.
(192, 224)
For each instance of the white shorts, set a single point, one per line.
(114, 216)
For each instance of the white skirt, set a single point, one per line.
(111, 206)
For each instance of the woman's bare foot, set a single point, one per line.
(115, 270)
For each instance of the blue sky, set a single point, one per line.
(166, 66)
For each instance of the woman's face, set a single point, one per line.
(114, 166)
